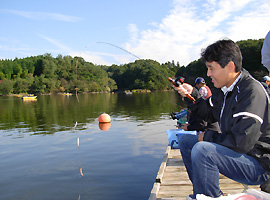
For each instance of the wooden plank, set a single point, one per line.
(172, 181)
(154, 191)
(163, 165)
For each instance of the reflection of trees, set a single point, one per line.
(50, 114)
(148, 106)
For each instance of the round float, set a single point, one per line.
(104, 118)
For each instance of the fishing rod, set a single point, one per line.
(175, 82)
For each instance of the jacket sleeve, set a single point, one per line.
(203, 107)
(266, 51)
(196, 123)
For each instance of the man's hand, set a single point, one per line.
(184, 126)
(184, 89)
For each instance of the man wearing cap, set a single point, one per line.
(265, 82)
(204, 90)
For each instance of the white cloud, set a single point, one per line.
(20, 50)
(44, 16)
(90, 57)
(251, 25)
(132, 28)
(100, 58)
(192, 25)
(179, 36)
(62, 47)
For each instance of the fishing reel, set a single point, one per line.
(178, 81)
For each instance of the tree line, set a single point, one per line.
(45, 74)
(251, 52)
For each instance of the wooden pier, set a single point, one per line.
(172, 182)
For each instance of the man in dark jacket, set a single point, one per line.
(195, 123)
(241, 106)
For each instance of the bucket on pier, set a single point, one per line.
(174, 135)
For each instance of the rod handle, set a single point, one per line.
(177, 84)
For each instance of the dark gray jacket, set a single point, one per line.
(196, 123)
(245, 118)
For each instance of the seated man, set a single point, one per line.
(241, 151)
(195, 123)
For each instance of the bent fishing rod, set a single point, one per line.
(176, 82)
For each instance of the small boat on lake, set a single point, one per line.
(30, 97)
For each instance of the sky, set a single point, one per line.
(107, 32)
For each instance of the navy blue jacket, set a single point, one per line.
(244, 118)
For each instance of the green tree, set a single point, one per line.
(20, 86)
(251, 52)
(45, 74)
(6, 87)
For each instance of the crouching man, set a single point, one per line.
(241, 151)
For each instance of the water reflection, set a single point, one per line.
(54, 148)
(104, 126)
(56, 113)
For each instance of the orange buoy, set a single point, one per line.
(104, 126)
(103, 118)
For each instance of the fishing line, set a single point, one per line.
(177, 83)
(132, 55)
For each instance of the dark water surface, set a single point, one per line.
(40, 157)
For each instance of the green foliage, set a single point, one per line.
(141, 74)
(6, 87)
(251, 52)
(21, 85)
(45, 74)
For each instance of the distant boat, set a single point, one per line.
(128, 92)
(67, 94)
(30, 97)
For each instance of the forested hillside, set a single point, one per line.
(251, 52)
(46, 74)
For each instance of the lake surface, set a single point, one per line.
(54, 148)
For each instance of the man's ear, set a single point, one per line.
(231, 66)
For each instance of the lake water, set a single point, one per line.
(45, 154)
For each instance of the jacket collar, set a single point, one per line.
(229, 89)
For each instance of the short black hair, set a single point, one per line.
(222, 52)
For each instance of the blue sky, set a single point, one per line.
(162, 30)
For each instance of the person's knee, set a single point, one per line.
(201, 150)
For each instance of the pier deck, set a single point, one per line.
(172, 180)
